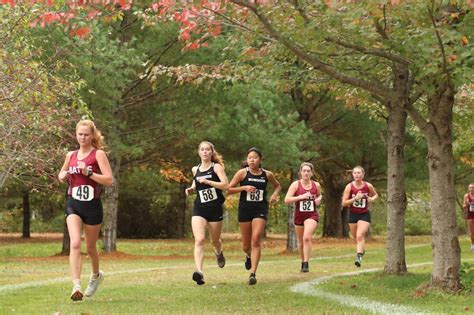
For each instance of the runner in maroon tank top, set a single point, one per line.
(306, 195)
(468, 206)
(357, 196)
(85, 170)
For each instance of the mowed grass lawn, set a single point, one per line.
(154, 276)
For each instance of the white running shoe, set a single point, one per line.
(94, 284)
(76, 294)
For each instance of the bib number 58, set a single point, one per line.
(207, 195)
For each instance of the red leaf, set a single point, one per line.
(194, 45)
(83, 32)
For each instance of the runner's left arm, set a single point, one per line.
(106, 177)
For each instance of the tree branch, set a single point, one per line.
(370, 86)
(440, 42)
(371, 51)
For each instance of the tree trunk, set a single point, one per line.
(182, 207)
(345, 222)
(26, 215)
(445, 242)
(111, 208)
(292, 240)
(438, 133)
(446, 250)
(396, 195)
(333, 190)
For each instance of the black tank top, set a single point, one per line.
(206, 195)
(256, 200)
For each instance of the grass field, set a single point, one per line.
(154, 276)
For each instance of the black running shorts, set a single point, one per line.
(354, 217)
(211, 214)
(246, 215)
(90, 212)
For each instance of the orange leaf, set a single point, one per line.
(83, 32)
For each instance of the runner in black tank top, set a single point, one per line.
(253, 206)
(209, 180)
(209, 200)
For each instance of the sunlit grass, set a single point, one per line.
(154, 276)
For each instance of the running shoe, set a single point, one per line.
(220, 259)
(198, 277)
(304, 266)
(248, 262)
(76, 294)
(252, 279)
(94, 284)
(358, 260)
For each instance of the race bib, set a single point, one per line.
(255, 196)
(207, 195)
(307, 206)
(83, 193)
(361, 203)
(471, 207)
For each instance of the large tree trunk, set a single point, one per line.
(109, 227)
(396, 195)
(446, 250)
(333, 190)
(438, 133)
(26, 215)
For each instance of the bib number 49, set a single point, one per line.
(83, 193)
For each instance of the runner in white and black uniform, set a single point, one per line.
(86, 170)
(209, 182)
(253, 206)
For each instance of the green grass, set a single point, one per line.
(154, 276)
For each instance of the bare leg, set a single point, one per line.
(91, 235)
(198, 225)
(470, 223)
(362, 228)
(74, 226)
(246, 233)
(258, 226)
(309, 226)
(299, 229)
(215, 229)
